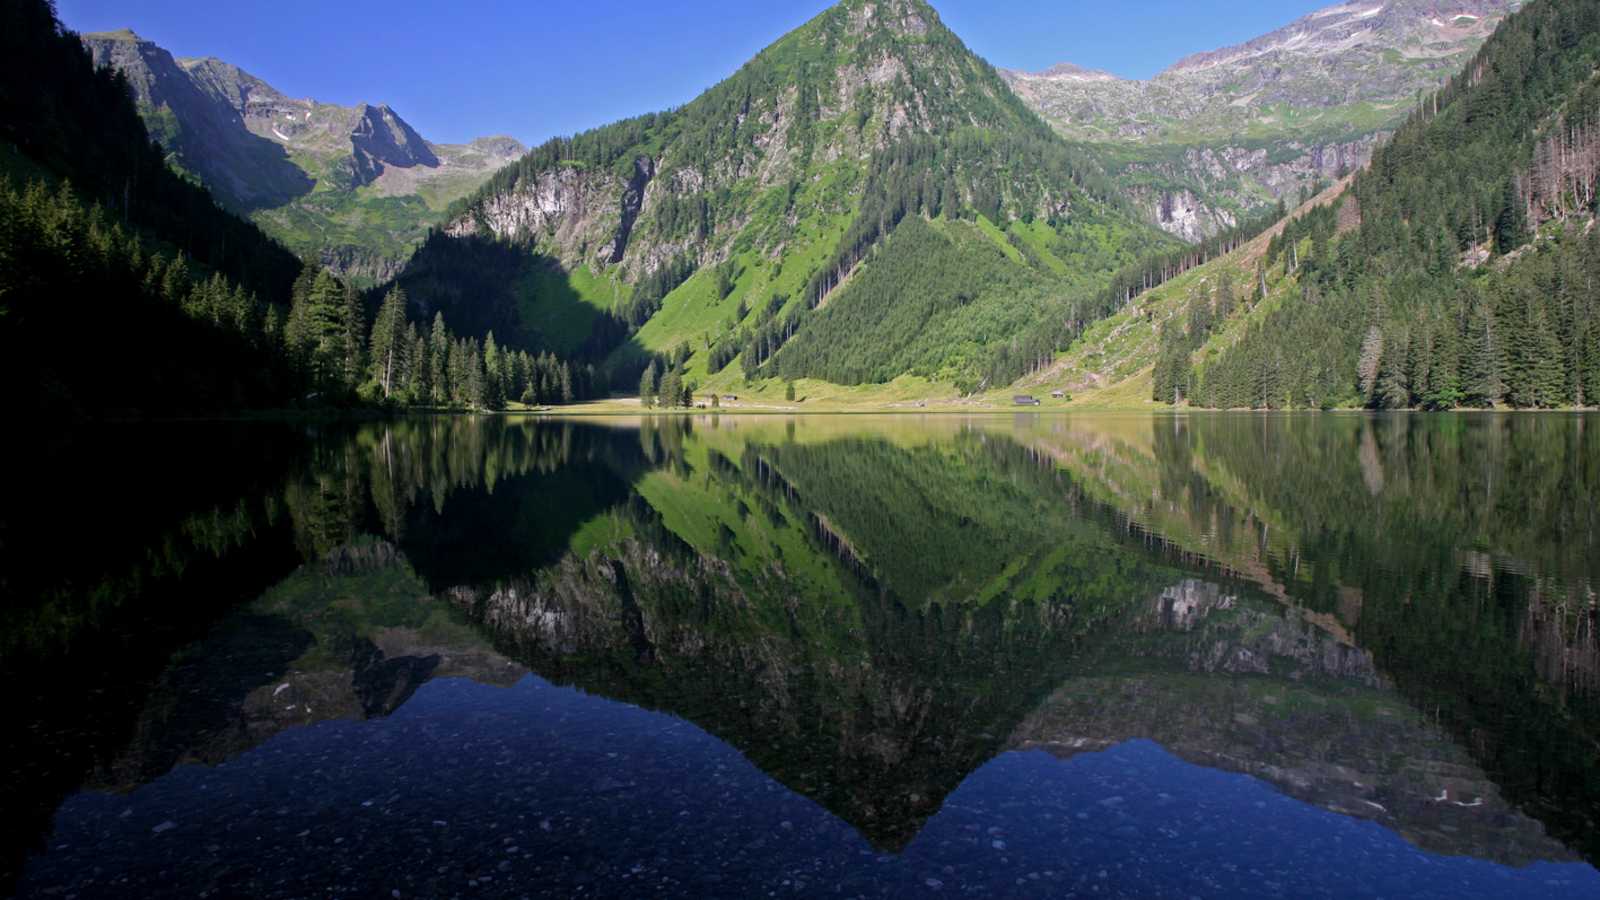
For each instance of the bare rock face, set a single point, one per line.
(1183, 214)
(263, 153)
(1306, 102)
(203, 134)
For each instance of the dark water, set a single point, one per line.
(1219, 656)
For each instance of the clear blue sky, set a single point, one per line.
(459, 69)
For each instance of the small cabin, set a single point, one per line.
(730, 398)
(1059, 395)
(1025, 400)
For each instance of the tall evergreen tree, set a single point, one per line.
(647, 386)
(440, 349)
(390, 343)
(493, 374)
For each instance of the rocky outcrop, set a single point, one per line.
(1223, 184)
(380, 139)
(1182, 214)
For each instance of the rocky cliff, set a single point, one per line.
(303, 170)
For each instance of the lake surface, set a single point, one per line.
(1032, 655)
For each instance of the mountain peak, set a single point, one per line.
(1068, 72)
(1422, 29)
(122, 34)
(912, 18)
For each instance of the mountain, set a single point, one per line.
(357, 186)
(123, 287)
(1221, 134)
(869, 139)
(1458, 270)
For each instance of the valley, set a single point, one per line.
(869, 215)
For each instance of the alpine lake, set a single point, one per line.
(1023, 655)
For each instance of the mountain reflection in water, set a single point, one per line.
(1123, 655)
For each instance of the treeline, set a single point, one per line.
(71, 121)
(927, 304)
(1527, 337)
(396, 363)
(165, 301)
(1388, 315)
(967, 174)
(95, 320)
(1035, 348)
(962, 176)
(126, 290)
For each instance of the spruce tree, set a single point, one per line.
(1480, 370)
(390, 343)
(647, 386)
(1510, 223)
(420, 384)
(354, 334)
(671, 390)
(494, 374)
(439, 353)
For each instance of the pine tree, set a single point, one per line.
(647, 386)
(671, 391)
(439, 353)
(494, 374)
(353, 338)
(1510, 223)
(1547, 376)
(1443, 390)
(477, 395)
(1591, 363)
(315, 333)
(420, 383)
(1392, 391)
(1480, 369)
(1226, 300)
(390, 343)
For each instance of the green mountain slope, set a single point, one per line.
(356, 187)
(715, 232)
(1461, 269)
(1223, 134)
(1471, 277)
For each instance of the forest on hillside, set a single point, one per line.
(125, 290)
(1473, 278)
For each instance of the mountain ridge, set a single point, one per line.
(300, 168)
(1221, 134)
